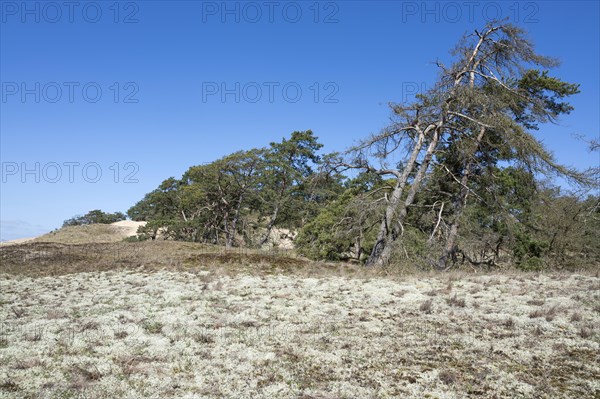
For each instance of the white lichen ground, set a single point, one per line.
(134, 334)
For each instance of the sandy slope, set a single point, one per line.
(79, 234)
(17, 241)
(128, 227)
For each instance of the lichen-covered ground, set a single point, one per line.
(204, 334)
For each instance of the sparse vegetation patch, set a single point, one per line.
(223, 331)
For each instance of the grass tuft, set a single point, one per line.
(427, 306)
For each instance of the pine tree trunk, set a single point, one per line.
(270, 226)
(384, 237)
(236, 217)
(459, 208)
(399, 212)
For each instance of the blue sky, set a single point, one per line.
(140, 91)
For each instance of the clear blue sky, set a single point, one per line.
(171, 60)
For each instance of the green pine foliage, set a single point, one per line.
(94, 217)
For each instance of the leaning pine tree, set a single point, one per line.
(487, 103)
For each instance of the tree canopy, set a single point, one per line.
(95, 216)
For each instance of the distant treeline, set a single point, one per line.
(93, 217)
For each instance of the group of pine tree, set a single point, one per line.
(460, 176)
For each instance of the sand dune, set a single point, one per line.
(88, 233)
(17, 241)
(128, 227)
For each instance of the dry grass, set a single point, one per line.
(456, 301)
(427, 306)
(549, 313)
(54, 259)
(576, 316)
(179, 320)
